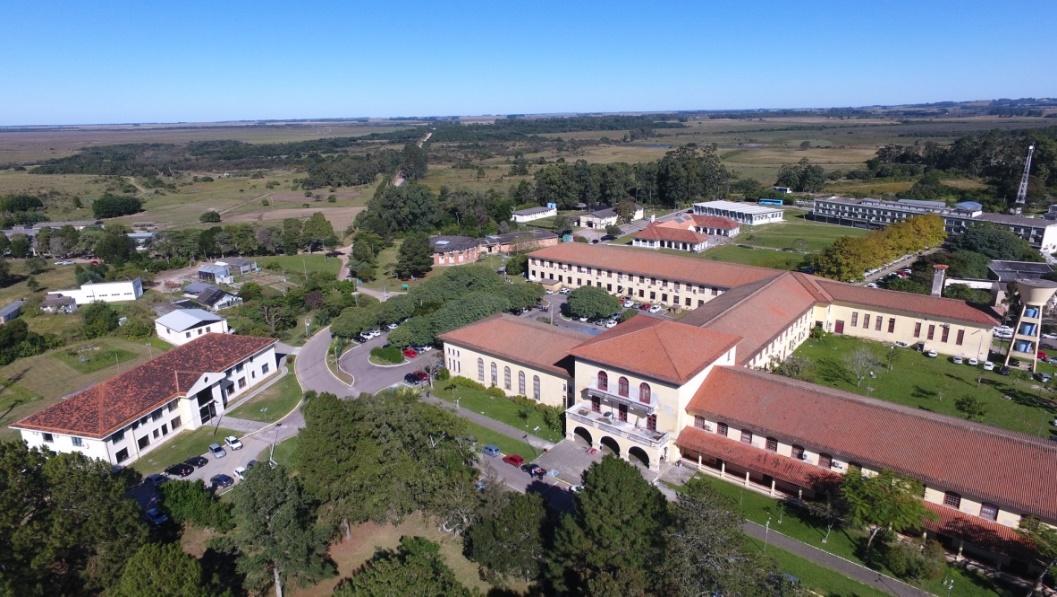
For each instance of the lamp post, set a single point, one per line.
(275, 438)
(767, 533)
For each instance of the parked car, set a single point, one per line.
(240, 472)
(611, 323)
(491, 450)
(565, 290)
(931, 354)
(576, 488)
(656, 309)
(156, 479)
(973, 362)
(391, 326)
(534, 470)
(956, 360)
(410, 353)
(989, 366)
(1003, 370)
(181, 469)
(629, 304)
(217, 451)
(156, 517)
(197, 461)
(221, 481)
(416, 377)
(233, 442)
(644, 307)
(424, 348)
(514, 460)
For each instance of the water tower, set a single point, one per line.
(1034, 295)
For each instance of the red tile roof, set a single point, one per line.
(657, 348)
(715, 222)
(745, 456)
(1014, 471)
(973, 529)
(704, 272)
(520, 340)
(670, 233)
(905, 302)
(106, 407)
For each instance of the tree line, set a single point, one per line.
(848, 258)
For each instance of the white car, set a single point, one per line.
(956, 360)
(583, 319)
(1002, 331)
(233, 442)
(422, 349)
(565, 290)
(932, 354)
(629, 304)
(612, 323)
(240, 472)
(989, 366)
(973, 362)
(656, 309)
(391, 326)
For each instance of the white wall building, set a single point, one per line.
(534, 213)
(749, 214)
(183, 325)
(105, 292)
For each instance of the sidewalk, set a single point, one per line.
(497, 426)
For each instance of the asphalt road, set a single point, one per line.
(374, 378)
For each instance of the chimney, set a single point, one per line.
(939, 274)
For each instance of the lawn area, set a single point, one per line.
(273, 403)
(299, 264)
(1014, 402)
(386, 280)
(759, 257)
(182, 447)
(92, 356)
(500, 409)
(506, 444)
(817, 578)
(796, 232)
(790, 521)
(283, 454)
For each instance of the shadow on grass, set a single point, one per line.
(831, 371)
(923, 393)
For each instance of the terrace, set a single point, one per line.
(610, 422)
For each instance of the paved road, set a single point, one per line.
(373, 378)
(904, 262)
(311, 367)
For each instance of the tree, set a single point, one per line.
(613, 540)
(415, 258)
(317, 231)
(517, 265)
(19, 246)
(413, 162)
(277, 532)
(862, 362)
(414, 568)
(112, 206)
(613, 230)
(592, 302)
(99, 319)
(625, 211)
(996, 242)
(209, 217)
(1043, 538)
(971, 406)
(36, 265)
(163, 570)
(510, 538)
(114, 245)
(802, 177)
(290, 238)
(705, 551)
(883, 502)
(191, 502)
(354, 320)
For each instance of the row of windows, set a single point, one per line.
(954, 500)
(494, 371)
(641, 279)
(877, 322)
(645, 393)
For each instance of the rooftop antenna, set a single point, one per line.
(1022, 190)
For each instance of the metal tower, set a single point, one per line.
(1022, 190)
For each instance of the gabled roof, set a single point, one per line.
(520, 340)
(661, 349)
(184, 319)
(110, 405)
(670, 233)
(215, 269)
(715, 222)
(905, 302)
(11, 308)
(212, 296)
(529, 211)
(605, 212)
(1012, 470)
(444, 244)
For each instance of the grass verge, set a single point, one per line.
(507, 445)
(503, 409)
(818, 579)
(273, 403)
(93, 356)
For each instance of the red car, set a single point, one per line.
(1045, 358)
(644, 307)
(410, 352)
(514, 460)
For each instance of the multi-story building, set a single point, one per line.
(748, 214)
(460, 250)
(876, 213)
(180, 326)
(691, 233)
(133, 413)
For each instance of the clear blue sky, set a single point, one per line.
(115, 61)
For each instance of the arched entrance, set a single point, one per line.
(637, 455)
(582, 437)
(610, 446)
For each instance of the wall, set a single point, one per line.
(180, 338)
(107, 292)
(976, 341)
(462, 361)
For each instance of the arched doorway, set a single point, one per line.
(582, 437)
(637, 455)
(610, 446)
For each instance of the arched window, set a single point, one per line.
(495, 375)
(603, 380)
(622, 388)
(521, 383)
(480, 369)
(536, 387)
(644, 393)
(506, 378)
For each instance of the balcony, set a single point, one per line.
(583, 414)
(631, 401)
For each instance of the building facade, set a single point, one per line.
(534, 213)
(747, 214)
(104, 292)
(181, 326)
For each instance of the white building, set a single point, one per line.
(105, 292)
(534, 213)
(133, 413)
(183, 325)
(749, 214)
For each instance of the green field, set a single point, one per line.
(92, 356)
(797, 233)
(1014, 402)
(759, 257)
(185, 445)
(506, 444)
(811, 576)
(299, 265)
(501, 409)
(272, 403)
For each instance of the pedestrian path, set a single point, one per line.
(498, 426)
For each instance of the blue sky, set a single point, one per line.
(115, 61)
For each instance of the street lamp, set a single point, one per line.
(275, 438)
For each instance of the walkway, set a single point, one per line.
(498, 426)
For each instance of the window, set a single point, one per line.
(480, 369)
(156, 434)
(172, 405)
(154, 416)
(946, 333)
(891, 325)
(825, 460)
(877, 323)
(854, 318)
(596, 404)
(49, 438)
(175, 423)
(536, 387)
(746, 436)
(187, 335)
(122, 455)
(242, 382)
(494, 371)
(143, 442)
(798, 452)
(699, 422)
(622, 413)
(117, 437)
(721, 428)
(506, 377)
(960, 337)
(603, 380)
(917, 329)
(952, 499)
(651, 422)
(866, 321)
(521, 383)
(264, 369)
(622, 387)
(77, 442)
(644, 393)
(772, 444)
(989, 511)
(932, 331)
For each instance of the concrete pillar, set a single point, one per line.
(746, 478)
(959, 557)
(772, 487)
(722, 469)
(800, 493)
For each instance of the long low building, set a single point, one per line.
(103, 292)
(749, 214)
(128, 415)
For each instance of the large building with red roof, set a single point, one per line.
(126, 416)
(695, 391)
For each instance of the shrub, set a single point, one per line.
(910, 560)
(190, 501)
(209, 217)
(112, 206)
(443, 375)
(387, 354)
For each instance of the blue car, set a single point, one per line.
(491, 450)
(221, 481)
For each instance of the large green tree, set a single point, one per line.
(996, 242)
(592, 302)
(415, 258)
(883, 502)
(414, 569)
(509, 538)
(191, 502)
(161, 570)
(613, 541)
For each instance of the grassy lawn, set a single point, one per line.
(760, 257)
(797, 233)
(1013, 402)
(283, 454)
(299, 264)
(817, 578)
(500, 409)
(273, 403)
(93, 356)
(789, 521)
(180, 448)
(506, 444)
